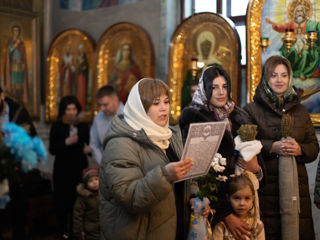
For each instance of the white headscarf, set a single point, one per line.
(137, 118)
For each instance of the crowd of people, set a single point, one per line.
(137, 192)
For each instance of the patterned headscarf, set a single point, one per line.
(288, 95)
(200, 99)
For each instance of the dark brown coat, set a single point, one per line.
(268, 118)
(86, 214)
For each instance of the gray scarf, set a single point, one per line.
(288, 187)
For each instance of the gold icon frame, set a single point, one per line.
(111, 41)
(72, 38)
(183, 49)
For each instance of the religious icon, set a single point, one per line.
(202, 40)
(303, 58)
(125, 72)
(206, 55)
(16, 66)
(124, 56)
(20, 59)
(70, 71)
(206, 43)
(294, 30)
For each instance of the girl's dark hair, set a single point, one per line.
(150, 89)
(211, 73)
(65, 101)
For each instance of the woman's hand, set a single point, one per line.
(291, 148)
(86, 149)
(72, 140)
(277, 148)
(286, 148)
(176, 170)
(237, 227)
(252, 165)
(206, 211)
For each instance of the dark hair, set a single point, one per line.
(15, 26)
(1, 91)
(271, 64)
(121, 54)
(106, 91)
(149, 89)
(65, 101)
(211, 73)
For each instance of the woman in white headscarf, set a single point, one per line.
(212, 102)
(141, 160)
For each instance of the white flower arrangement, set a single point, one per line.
(208, 185)
(218, 163)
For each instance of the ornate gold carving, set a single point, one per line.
(183, 47)
(253, 46)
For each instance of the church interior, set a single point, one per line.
(74, 47)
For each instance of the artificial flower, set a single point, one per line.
(19, 150)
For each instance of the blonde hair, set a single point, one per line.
(150, 89)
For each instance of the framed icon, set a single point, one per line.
(70, 71)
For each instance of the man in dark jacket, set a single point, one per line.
(11, 111)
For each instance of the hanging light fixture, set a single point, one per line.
(312, 37)
(264, 43)
(289, 39)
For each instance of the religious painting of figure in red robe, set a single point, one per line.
(82, 73)
(125, 72)
(70, 71)
(124, 55)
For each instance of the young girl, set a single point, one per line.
(241, 196)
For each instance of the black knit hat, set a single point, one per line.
(88, 173)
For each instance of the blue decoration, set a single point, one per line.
(24, 149)
(199, 225)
